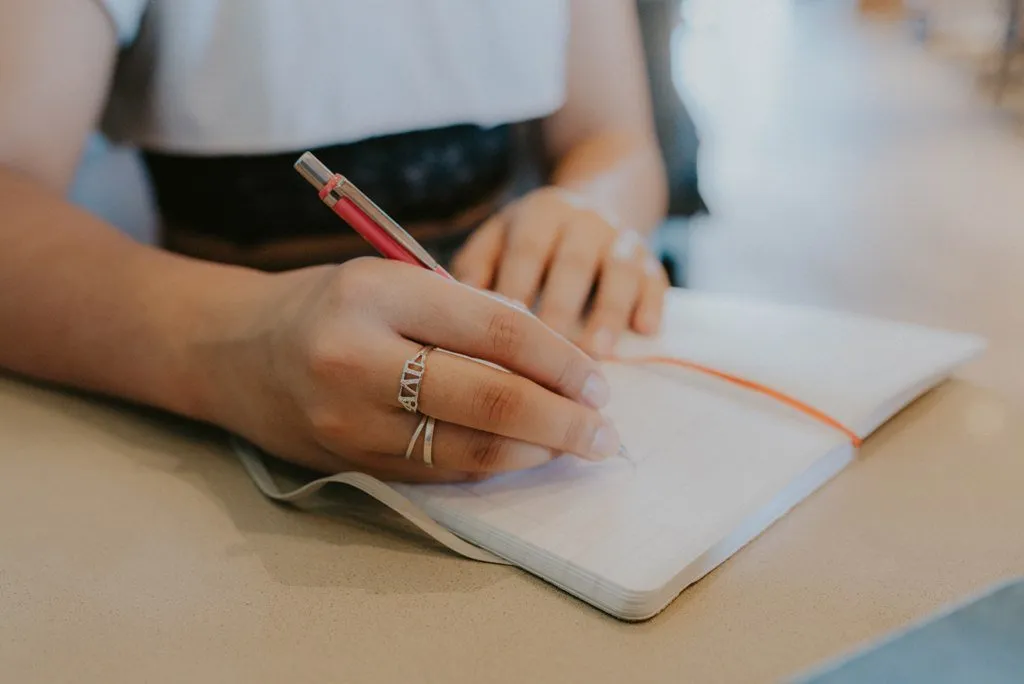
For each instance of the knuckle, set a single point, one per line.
(319, 356)
(576, 260)
(629, 271)
(571, 374)
(355, 279)
(614, 306)
(487, 452)
(619, 299)
(506, 331)
(326, 358)
(327, 424)
(498, 403)
(531, 243)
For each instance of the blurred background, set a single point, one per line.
(862, 154)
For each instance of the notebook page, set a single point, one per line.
(705, 457)
(710, 458)
(848, 366)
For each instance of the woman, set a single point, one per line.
(419, 103)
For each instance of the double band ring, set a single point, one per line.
(426, 428)
(415, 437)
(428, 444)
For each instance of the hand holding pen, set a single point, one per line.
(342, 368)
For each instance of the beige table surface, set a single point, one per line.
(134, 548)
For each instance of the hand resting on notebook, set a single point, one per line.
(312, 373)
(550, 249)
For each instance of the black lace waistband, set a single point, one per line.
(254, 200)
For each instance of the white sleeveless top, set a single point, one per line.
(263, 76)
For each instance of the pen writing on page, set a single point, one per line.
(377, 228)
(372, 223)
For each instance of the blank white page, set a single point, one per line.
(845, 365)
(704, 459)
(708, 458)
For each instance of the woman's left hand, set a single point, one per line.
(550, 247)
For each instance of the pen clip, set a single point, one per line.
(348, 190)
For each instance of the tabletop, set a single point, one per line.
(134, 547)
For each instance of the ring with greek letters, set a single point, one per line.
(412, 378)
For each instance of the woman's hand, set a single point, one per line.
(309, 369)
(549, 247)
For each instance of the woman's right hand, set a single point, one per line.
(309, 369)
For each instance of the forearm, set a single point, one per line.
(83, 305)
(621, 174)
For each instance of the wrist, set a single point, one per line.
(217, 312)
(230, 354)
(621, 175)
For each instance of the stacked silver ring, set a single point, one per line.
(409, 398)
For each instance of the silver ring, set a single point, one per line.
(428, 444)
(412, 378)
(415, 437)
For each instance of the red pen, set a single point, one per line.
(365, 217)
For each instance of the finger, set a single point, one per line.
(325, 456)
(531, 238)
(464, 392)
(477, 262)
(571, 276)
(388, 468)
(650, 309)
(617, 293)
(452, 316)
(458, 454)
(459, 449)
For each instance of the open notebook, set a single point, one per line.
(712, 464)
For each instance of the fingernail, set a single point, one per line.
(606, 443)
(596, 391)
(602, 342)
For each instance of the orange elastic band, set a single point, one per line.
(781, 397)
